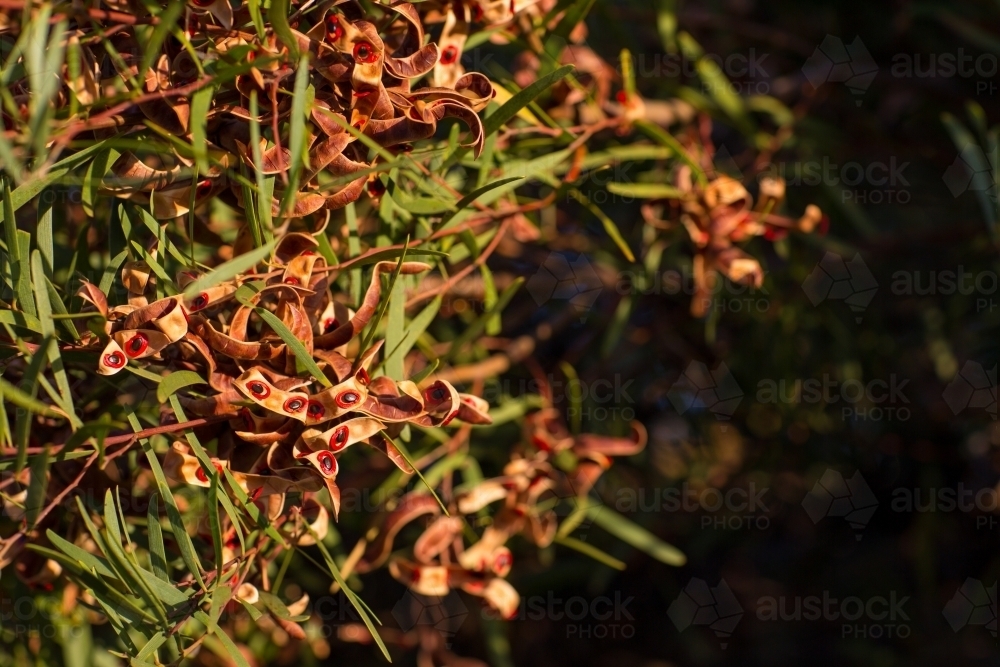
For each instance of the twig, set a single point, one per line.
(130, 438)
(483, 256)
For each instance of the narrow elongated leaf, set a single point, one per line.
(468, 199)
(36, 488)
(201, 101)
(418, 325)
(663, 137)
(476, 328)
(297, 133)
(355, 601)
(87, 559)
(645, 190)
(228, 270)
(157, 552)
(210, 470)
(215, 526)
(44, 307)
(609, 225)
(592, 551)
(498, 118)
(277, 14)
(234, 652)
(635, 535)
(294, 345)
(395, 326)
(176, 381)
(183, 540)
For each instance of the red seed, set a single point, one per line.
(347, 399)
(339, 438)
(136, 345)
(365, 53)
(259, 390)
(114, 360)
(449, 55)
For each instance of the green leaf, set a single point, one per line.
(663, 137)
(111, 517)
(183, 540)
(558, 38)
(394, 329)
(24, 419)
(44, 308)
(426, 372)
(257, 18)
(592, 551)
(176, 381)
(299, 155)
(36, 487)
(43, 231)
(130, 572)
(632, 534)
(666, 24)
(468, 199)
(215, 526)
(474, 330)
(92, 178)
(86, 559)
(19, 277)
(157, 552)
(166, 20)
(978, 163)
(274, 605)
(19, 319)
(260, 220)
(255, 613)
(498, 118)
(229, 270)
(609, 225)
(418, 325)
(125, 605)
(29, 403)
(645, 190)
(351, 596)
(149, 650)
(201, 102)
(277, 14)
(424, 205)
(34, 186)
(231, 648)
(295, 345)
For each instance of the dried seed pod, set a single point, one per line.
(258, 389)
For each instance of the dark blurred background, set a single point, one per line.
(865, 369)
